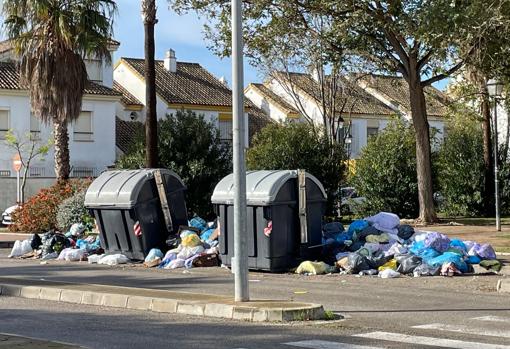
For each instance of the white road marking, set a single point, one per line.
(429, 341)
(492, 318)
(465, 329)
(318, 344)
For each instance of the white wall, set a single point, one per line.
(269, 108)
(98, 153)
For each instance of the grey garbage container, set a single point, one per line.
(120, 199)
(274, 199)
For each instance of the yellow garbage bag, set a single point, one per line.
(313, 268)
(191, 240)
(391, 264)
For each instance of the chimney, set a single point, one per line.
(170, 61)
(224, 81)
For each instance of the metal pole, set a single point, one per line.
(18, 191)
(240, 264)
(496, 166)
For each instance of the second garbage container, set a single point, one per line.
(130, 212)
(285, 210)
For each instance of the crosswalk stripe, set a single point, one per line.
(465, 329)
(429, 341)
(318, 344)
(492, 318)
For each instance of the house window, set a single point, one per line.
(225, 130)
(4, 123)
(372, 128)
(94, 70)
(35, 128)
(83, 131)
(5, 173)
(84, 172)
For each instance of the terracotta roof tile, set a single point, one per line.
(190, 84)
(9, 80)
(397, 91)
(126, 133)
(127, 97)
(350, 97)
(274, 98)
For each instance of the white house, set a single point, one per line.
(366, 104)
(91, 137)
(179, 86)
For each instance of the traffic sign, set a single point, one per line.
(16, 163)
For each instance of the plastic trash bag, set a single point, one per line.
(426, 270)
(407, 263)
(449, 257)
(20, 248)
(385, 221)
(437, 241)
(191, 240)
(52, 255)
(395, 248)
(357, 226)
(94, 258)
(332, 229)
(418, 249)
(363, 234)
(384, 238)
(188, 252)
(76, 255)
(473, 260)
(456, 244)
(314, 268)
(113, 259)
(391, 264)
(77, 229)
(492, 265)
(198, 223)
(357, 263)
(35, 242)
(449, 269)
(376, 261)
(485, 251)
(405, 231)
(176, 263)
(389, 274)
(153, 254)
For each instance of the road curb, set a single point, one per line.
(6, 244)
(503, 286)
(256, 311)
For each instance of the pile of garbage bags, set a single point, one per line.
(71, 246)
(379, 245)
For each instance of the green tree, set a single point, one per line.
(461, 166)
(191, 147)
(151, 120)
(51, 38)
(385, 172)
(423, 41)
(300, 146)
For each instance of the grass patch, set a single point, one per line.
(329, 315)
(502, 249)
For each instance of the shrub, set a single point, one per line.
(461, 168)
(39, 213)
(190, 146)
(72, 210)
(299, 146)
(386, 172)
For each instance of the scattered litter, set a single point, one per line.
(113, 259)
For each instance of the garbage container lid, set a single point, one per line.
(120, 188)
(262, 187)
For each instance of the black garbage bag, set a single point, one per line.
(331, 230)
(407, 263)
(59, 242)
(357, 263)
(405, 231)
(35, 242)
(370, 230)
(356, 246)
(46, 241)
(426, 270)
(375, 262)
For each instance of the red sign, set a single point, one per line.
(16, 163)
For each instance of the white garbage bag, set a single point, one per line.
(94, 258)
(113, 259)
(75, 255)
(20, 248)
(389, 274)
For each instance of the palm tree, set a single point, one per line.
(151, 123)
(51, 37)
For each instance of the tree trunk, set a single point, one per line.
(61, 136)
(423, 152)
(488, 160)
(151, 123)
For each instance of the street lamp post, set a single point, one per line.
(495, 90)
(240, 263)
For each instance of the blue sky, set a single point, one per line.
(184, 34)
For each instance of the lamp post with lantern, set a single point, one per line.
(495, 89)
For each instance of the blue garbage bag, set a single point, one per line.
(357, 226)
(473, 260)
(153, 254)
(198, 223)
(449, 257)
(458, 245)
(419, 249)
(437, 241)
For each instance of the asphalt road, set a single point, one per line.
(462, 312)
